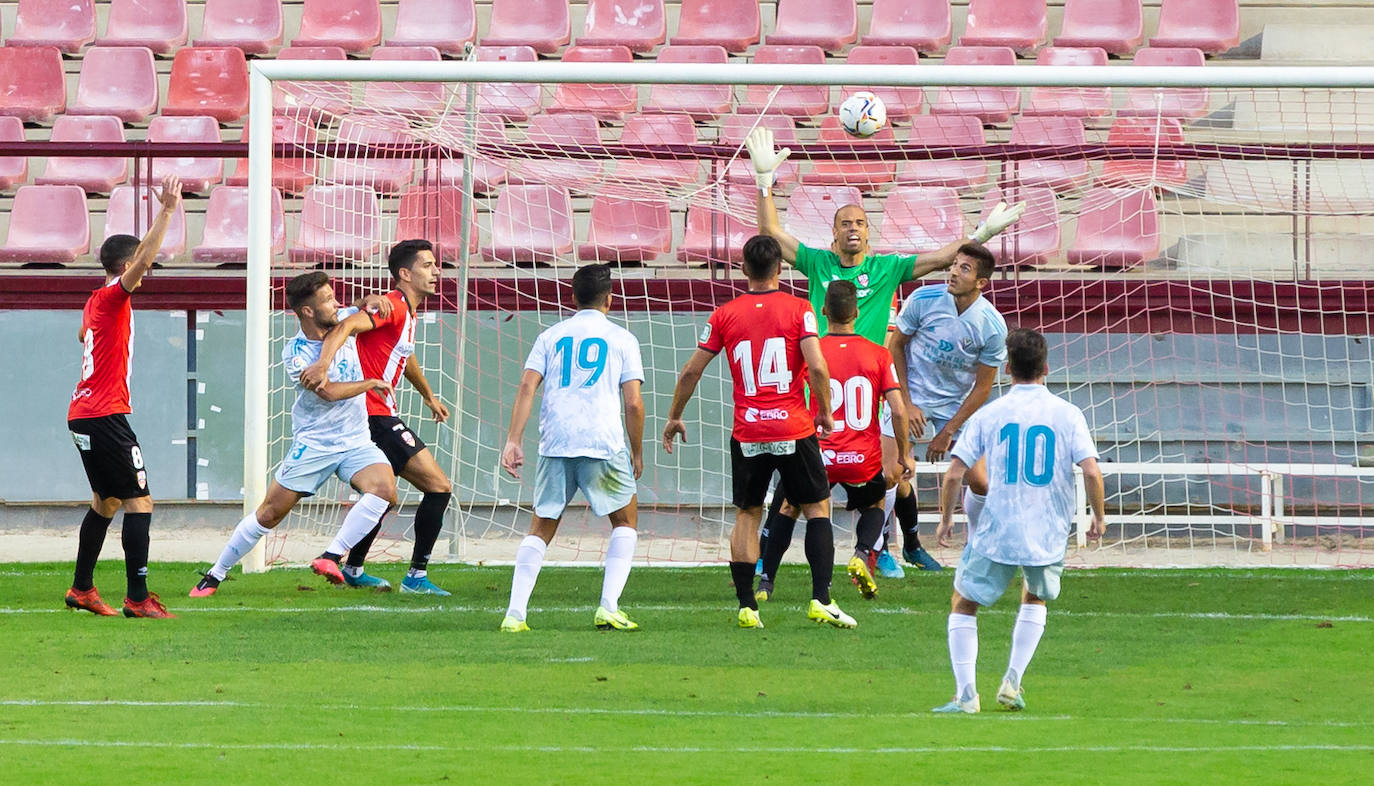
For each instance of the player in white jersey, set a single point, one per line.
(329, 437)
(589, 368)
(1032, 440)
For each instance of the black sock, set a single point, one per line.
(134, 538)
(429, 520)
(820, 555)
(742, 573)
(358, 554)
(780, 530)
(870, 528)
(905, 510)
(329, 555)
(93, 529)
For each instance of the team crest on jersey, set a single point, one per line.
(968, 344)
(863, 279)
(408, 438)
(143, 478)
(295, 363)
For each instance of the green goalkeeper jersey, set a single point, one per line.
(876, 277)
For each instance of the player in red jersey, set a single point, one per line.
(769, 339)
(861, 377)
(386, 349)
(99, 426)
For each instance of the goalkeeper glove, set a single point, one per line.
(999, 219)
(766, 161)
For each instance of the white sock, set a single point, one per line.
(973, 507)
(963, 654)
(1025, 637)
(365, 514)
(619, 552)
(528, 558)
(416, 573)
(349, 570)
(246, 536)
(889, 502)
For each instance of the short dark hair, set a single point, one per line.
(1026, 354)
(404, 254)
(842, 301)
(301, 289)
(591, 284)
(762, 257)
(980, 253)
(116, 250)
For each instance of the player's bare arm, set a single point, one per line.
(766, 161)
(169, 197)
(916, 419)
(686, 385)
(416, 377)
(905, 467)
(999, 218)
(983, 380)
(1097, 497)
(317, 373)
(633, 402)
(513, 455)
(949, 497)
(338, 391)
(819, 378)
(380, 305)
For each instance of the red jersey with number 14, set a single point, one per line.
(107, 350)
(861, 373)
(384, 349)
(761, 335)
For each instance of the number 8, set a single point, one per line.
(137, 456)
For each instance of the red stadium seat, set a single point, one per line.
(385, 175)
(159, 25)
(1210, 25)
(409, 99)
(868, 175)
(255, 26)
(901, 102)
(1071, 101)
(713, 235)
(197, 174)
(733, 130)
(732, 24)
(33, 87)
(127, 214)
(829, 24)
(542, 25)
(1186, 102)
(352, 25)
(923, 24)
(338, 224)
(945, 131)
(312, 98)
(1145, 132)
(1019, 24)
(94, 175)
(606, 101)
(508, 100)
(1114, 25)
(989, 104)
(702, 102)
(487, 172)
(446, 25)
(225, 239)
(811, 210)
(791, 100)
(14, 170)
(292, 175)
(48, 224)
(65, 24)
(432, 212)
(208, 81)
(640, 25)
(627, 230)
(1034, 238)
(918, 220)
(1065, 175)
(531, 224)
(569, 130)
(119, 81)
(656, 131)
(1118, 228)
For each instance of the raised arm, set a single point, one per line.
(818, 374)
(686, 385)
(513, 455)
(146, 253)
(1097, 497)
(633, 403)
(766, 161)
(317, 373)
(977, 397)
(416, 376)
(999, 218)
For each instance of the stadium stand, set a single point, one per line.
(1146, 132)
(1116, 26)
(1210, 25)
(945, 131)
(640, 25)
(1072, 101)
(568, 128)
(321, 101)
(354, 26)
(128, 214)
(702, 102)
(255, 26)
(919, 219)
(337, 224)
(989, 104)
(446, 25)
(734, 25)
(829, 24)
(811, 212)
(792, 100)
(410, 99)
(68, 25)
(1019, 24)
(160, 25)
(13, 169)
(432, 212)
(531, 224)
(49, 225)
(1049, 130)
(95, 175)
(1034, 240)
(32, 85)
(606, 101)
(868, 175)
(508, 100)
(542, 25)
(901, 102)
(1118, 228)
(1189, 102)
(197, 174)
(925, 25)
(653, 131)
(715, 236)
(627, 230)
(224, 241)
(384, 175)
(209, 80)
(119, 81)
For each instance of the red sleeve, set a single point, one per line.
(807, 317)
(711, 340)
(889, 371)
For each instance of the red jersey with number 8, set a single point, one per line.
(861, 373)
(384, 349)
(761, 333)
(107, 347)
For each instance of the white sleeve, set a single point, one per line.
(631, 365)
(968, 448)
(994, 344)
(909, 318)
(295, 363)
(537, 360)
(1083, 447)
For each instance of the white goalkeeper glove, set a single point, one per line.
(999, 219)
(766, 161)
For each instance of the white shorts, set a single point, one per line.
(933, 425)
(608, 485)
(983, 581)
(305, 469)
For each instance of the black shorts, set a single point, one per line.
(861, 495)
(395, 439)
(111, 455)
(803, 471)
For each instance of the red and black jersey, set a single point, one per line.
(861, 373)
(384, 349)
(107, 341)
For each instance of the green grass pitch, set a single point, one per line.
(1206, 676)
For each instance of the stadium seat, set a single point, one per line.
(1145, 132)
(658, 131)
(117, 80)
(1116, 26)
(337, 224)
(446, 25)
(1061, 175)
(487, 172)
(159, 25)
(1071, 101)
(733, 130)
(408, 99)
(713, 235)
(531, 224)
(1034, 238)
(1186, 102)
(922, 24)
(811, 212)
(48, 225)
(606, 101)
(292, 175)
(255, 26)
(627, 230)
(918, 220)
(508, 100)
(867, 175)
(225, 239)
(569, 129)
(1118, 228)
(208, 81)
(66, 24)
(829, 24)
(732, 24)
(129, 212)
(432, 212)
(702, 102)
(1019, 24)
(640, 25)
(352, 25)
(989, 104)
(791, 100)
(385, 175)
(94, 175)
(542, 25)
(901, 102)
(197, 174)
(1210, 25)
(14, 170)
(945, 131)
(33, 87)
(311, 98)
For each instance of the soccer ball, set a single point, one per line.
(863, 114)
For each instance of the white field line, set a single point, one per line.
(1285, 573)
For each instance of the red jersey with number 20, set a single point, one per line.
(384, 349)
(861, 373)
(761, 335)
(107, 350)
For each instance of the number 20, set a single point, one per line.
(1021, 464)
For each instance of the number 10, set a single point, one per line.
(1022, 464)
